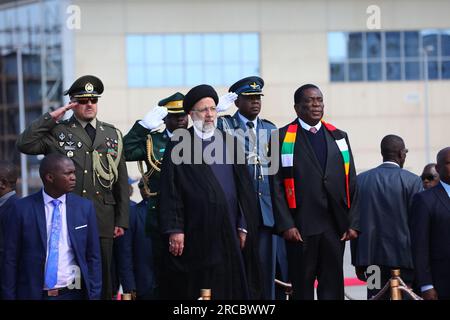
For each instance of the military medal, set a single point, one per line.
(79, 144)
(69, 154)
(101, 128)
(73, 125)
(61, 143)
(61, 136)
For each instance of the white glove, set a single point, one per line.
(226, 101)
(154, 118)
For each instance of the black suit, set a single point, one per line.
(321, 216)
(430, 235)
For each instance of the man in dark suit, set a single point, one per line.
(430, 234)
(136, 265)
(385, 196)
(430, 177)
(312, 196)
(52, 249)
(8, 178)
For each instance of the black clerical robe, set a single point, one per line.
(193, 201)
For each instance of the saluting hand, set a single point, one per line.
(59, 113)
(293, 235)
(176, 243)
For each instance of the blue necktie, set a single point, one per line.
(51, 273)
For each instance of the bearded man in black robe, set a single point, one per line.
(208, 213)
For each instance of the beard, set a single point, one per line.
(205, 127)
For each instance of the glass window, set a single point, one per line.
(412, 70)
(430, 42)
(393, 44)
(191, 59)
(393, 71)
(445, 43)
(355, 45)
(337, 71)
(445, 69)
(193, 44)
(212, 48)
(432, 70)
(355, 71)
(154, 50)
(374, 71)
(373, 45)
(411, 44)
(337, 46)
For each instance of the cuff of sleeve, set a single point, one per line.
(426, 287)
(243, 230)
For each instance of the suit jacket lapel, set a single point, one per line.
(442, 196)
(39, 210)
(78, 130)
(71, 220)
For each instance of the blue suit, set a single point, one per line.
(267, 240)
(430, 235)
(26, 247)
(135, 255)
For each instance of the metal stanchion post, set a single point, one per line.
(396, 293)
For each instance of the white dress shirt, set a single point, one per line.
(245, 120)
(307, 126)
(66, 258)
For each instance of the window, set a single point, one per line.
(172, 60)
(389, 56)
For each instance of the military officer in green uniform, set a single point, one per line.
(145, 143)
(96, 148)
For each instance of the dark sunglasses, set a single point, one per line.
(428, 177)
(86, 100)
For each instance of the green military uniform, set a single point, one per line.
(144, 145)
(101, 170)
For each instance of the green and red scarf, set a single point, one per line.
(287, 160)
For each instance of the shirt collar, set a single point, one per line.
(6, 196)
(245, 120)
(169, 134)
(48, 198)
(83, 123)
(203, 135)
(391, 162)
(446, 187)
(307, 126)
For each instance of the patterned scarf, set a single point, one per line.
(287, 160)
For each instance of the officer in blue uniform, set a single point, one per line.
(254, 133)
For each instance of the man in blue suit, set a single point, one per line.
(254, 133)
(52, 250)
(8, 178)
(385, 196)
(135, 254)
(430, 233)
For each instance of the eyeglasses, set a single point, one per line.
(429, 177)
(86, 100)
(205, 109)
